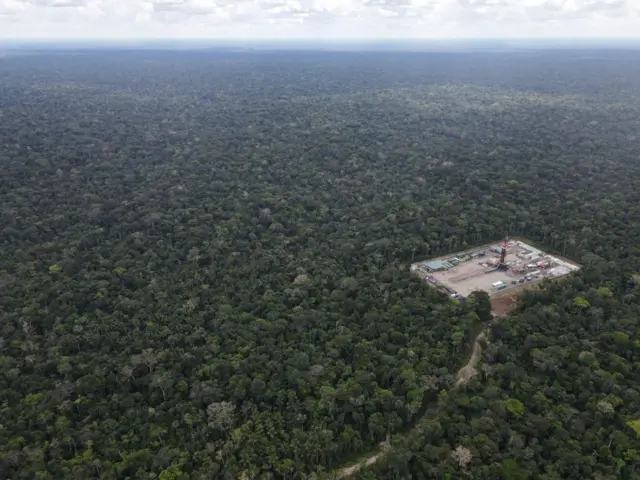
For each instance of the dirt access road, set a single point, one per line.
(464, 375)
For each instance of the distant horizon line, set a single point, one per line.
(317, 40)
(444, 44)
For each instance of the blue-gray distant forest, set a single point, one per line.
(204, 264)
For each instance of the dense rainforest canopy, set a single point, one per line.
(203, 264)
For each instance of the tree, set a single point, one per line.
(221, 415)
(481, 304)
(462, 456)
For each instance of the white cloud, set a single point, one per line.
(317, 18)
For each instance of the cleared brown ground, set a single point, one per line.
(503, 304)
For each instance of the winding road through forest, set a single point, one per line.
(464, 375)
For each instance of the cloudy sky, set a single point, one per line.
(317, 19)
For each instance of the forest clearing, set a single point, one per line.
(498, 269)
(505, 303)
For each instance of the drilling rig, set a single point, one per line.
(503, 255)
